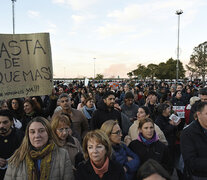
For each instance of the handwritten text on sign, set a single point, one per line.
(180, 110)
(25, 65)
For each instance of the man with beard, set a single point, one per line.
(10, 139)
(105, 111)
(78, 120)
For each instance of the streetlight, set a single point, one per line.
(13, 18)
(178, 12)
(94, 68)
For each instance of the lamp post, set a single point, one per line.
(178, 12)
(94, 72)
(13, 16)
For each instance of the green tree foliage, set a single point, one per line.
(130, 74)
(198, 59)
(140, 72)
(152, 70)
(168, 70)
(162, 71)
(99, 76)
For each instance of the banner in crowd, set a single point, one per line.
(25, 65)
(114, 85)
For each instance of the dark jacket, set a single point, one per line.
(121, 153)
(130, 111)
(157, 151)
(153, 110)
(102, 114)
(178, 102)
(27, 118)
(8, 145)
(194, 149)
(85, 172)
(168, 129)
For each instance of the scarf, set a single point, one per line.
(100, 172)
(31, 114)
(86, 113)
(148, 141)
(45, 156)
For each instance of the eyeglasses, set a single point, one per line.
(119, 132)
(63, 129)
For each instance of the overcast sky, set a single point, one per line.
(119, 34)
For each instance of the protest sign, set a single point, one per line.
(86, 82)
(25, 65)
(180, 110)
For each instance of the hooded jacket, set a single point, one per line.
(103, 114)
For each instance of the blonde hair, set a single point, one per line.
(26, 146)
(107, 126)
(100, 137)
(56, 119)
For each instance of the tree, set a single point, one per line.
(198, 59)
(99, 76)
(192, 71)
(168, 70)
(130, 74)
(152, 70)
(161, 71)
(140, 72)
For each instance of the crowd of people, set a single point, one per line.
(131, 131)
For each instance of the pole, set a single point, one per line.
(94, 68)
(178, 12)
(13, 16)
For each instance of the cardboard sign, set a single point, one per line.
(25, 65)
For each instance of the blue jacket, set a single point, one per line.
(121, 153)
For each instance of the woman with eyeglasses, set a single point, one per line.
(147, 145)
(61, 126)
(99, 165)
(121, 153)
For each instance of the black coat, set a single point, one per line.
(102, 114)
(157, 151)
(8, 145)
(85, 172)
(168, 129)
(178, 102)
(194, 149)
